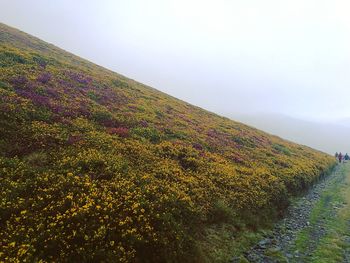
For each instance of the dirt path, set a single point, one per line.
(316, 227)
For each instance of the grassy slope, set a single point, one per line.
(95, 165)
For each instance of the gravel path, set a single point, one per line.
(280, 241)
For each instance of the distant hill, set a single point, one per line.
(98, 167)
(329, 137)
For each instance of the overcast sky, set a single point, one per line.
(228, 56)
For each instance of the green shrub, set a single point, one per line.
(37, 159)
(148, 133)
(221, 213)
(9, 59)
(92, 95)
(104, 118)
(171, 134)
(4, 85)
(282, 149)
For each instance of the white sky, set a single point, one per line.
(287, 56)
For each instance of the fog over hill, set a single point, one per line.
(344, 122)
(329, 136)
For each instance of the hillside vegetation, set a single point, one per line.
(98, 167)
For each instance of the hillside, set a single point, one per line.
(95, 166)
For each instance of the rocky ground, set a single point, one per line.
(279, 244)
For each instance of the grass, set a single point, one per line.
(332, 212)
(276, 255)
(332, 246)
(221, 243)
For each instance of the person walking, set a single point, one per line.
(340, 157)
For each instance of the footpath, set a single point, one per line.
(316, 227)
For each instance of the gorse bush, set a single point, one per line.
(96, 167)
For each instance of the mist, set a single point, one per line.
(329, 137)
(230, 57)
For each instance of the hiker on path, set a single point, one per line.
(346, 157)
(340, 157)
